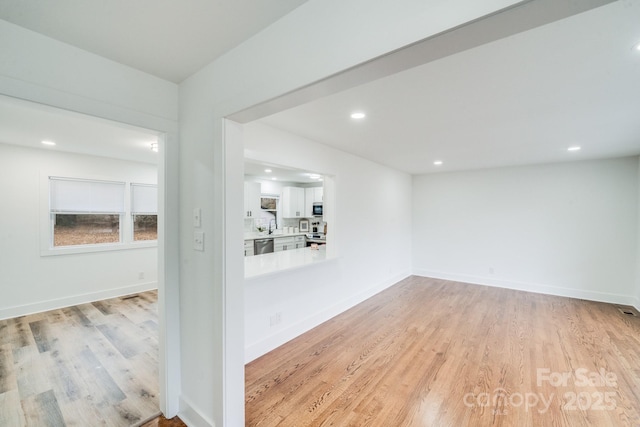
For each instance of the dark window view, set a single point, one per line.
(145, 227)
(85, 229)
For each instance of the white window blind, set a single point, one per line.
(85, 196)
(144, 199)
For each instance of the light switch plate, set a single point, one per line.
(198, 240)
(197, 214)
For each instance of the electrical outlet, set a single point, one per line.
(275, 319)
(198, 241)
(491, 271)
(140, 276)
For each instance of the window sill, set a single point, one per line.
(105, 247)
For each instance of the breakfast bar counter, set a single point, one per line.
(270, 263)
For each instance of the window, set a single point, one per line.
(269, 209)
(144, 211)
(92, 215)
(85, 212)
(75, 229)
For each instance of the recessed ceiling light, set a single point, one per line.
(438, 162)
(274, 178)
(154, 147)
(636, 47)
(574, 148)
(358, 115)
(48, 142)
(268, 170)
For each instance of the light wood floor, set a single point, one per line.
(88, 365)
(429, 352)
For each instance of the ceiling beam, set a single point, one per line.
(516, 19)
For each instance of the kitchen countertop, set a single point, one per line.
(253, 236)
(258, 265)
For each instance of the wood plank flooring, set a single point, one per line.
(88, 365)
(429, 352)
(164, 422)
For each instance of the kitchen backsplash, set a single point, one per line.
(250, 224)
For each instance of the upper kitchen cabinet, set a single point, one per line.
(292, 201)
(312, 195)
(251, 200)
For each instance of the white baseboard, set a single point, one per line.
(191, 415)
(41, 306)
(264, 346)
(531, 287)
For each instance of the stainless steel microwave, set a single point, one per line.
(317, 209)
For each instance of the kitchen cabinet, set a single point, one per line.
(251, 200)
(248, 248)
(292, 202)
(312, 195)
(284, 244)
(300, 242)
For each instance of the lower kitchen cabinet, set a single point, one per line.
(300, 242)
(248, 248)
(284, 244)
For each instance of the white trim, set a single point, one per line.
(104, 247)
(233, 389)
(191, 415)
(38, 307)
(168, 276)
(529, 287)
(255, 350)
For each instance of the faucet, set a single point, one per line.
(274, 223)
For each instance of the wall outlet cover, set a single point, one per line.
(198, 241)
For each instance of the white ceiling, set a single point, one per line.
(28, 124)
(171, 39)
(520, 100)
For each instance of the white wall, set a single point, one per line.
(566, 229)
(40, 69)
(371, 232)
(637, 301)
(274, 62)
(32, 282)
(268, 187)
(275, 187)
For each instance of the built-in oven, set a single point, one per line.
(317, 209)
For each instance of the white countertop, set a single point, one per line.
(276, 234)
(258, 265)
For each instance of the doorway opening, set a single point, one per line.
(87, 305)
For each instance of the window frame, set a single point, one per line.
(132, 213)
(47, 220)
